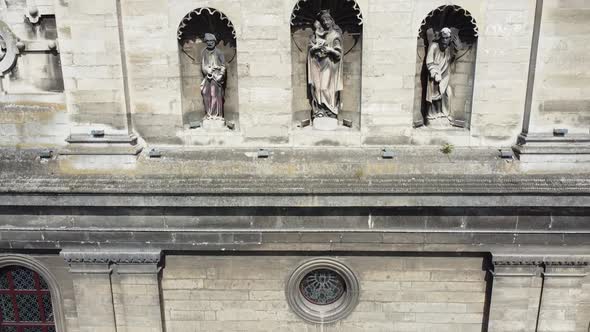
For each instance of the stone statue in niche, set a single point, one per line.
(441, 54)
(213, 67)
(324, 72)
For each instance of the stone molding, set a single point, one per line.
(531, 266)
(535, 266)
(100, 261)
(552, 260)
(112, 257)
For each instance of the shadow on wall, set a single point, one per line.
(191, 33)
(348, 17)
(461, 58)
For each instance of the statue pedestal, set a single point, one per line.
(440, 123)
(325, 123)
(214, 124)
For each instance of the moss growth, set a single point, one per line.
(447, 148)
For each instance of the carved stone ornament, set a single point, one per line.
(9, 50)
(347, 13)
(193, 24)
(32, 12)
(322, 290)
(449, 34)
(439, 57)
(89, 256)
(213, 67)
(325, 71)
(523, 260)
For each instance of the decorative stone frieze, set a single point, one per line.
(523, 265)
(100, 261)
(576, 260)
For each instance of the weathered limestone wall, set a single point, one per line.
(562, 83)
(500, 77)
(91, 63)
(265, 94)
(268, 93)
(263, 70)
(266, 99)
(32, 103)
(154, 70)
(60, 271)
(562, 293)
(240, 293)
(516, 296)
(247, 292)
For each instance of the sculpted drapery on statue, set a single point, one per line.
(324, 71)
(441, 54)
(214, 74)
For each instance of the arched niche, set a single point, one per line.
(348, 16)
(464, 32)
(191, 33)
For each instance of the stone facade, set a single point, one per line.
(142, 90)
(141, 219)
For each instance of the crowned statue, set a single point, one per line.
(325, 72)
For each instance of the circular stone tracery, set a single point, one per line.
(322, 290)
(2, 48)
(322, 287)
(9, 52)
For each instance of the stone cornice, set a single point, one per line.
(86, 256)
(410, 184)
(535, 260)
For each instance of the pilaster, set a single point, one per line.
(562, 293)
(516, 294)
(116, 290)
(136, 294)
(91, 275)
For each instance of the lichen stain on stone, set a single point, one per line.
(68, 167)
(32, 107)
(376, 169)
(564, 106)
(327, 142)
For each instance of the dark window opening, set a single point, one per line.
(25, 301)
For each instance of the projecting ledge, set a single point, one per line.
(559, 147)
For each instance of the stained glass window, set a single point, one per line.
(25, 301)
(322, 287)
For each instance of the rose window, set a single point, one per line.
(322, 287)
(322, 290)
